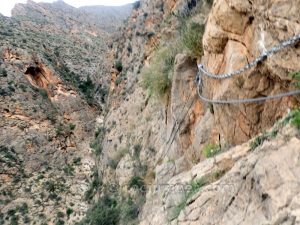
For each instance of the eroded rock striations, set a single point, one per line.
(69, 87)
(54, 84)
(236, 33)
(172, 134)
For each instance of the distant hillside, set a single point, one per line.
(54, 82)
(109, 17)
(105, 18)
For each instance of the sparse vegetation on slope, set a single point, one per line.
(296, 118)
(105, 211)
(157, 77)
(191, 38)
(296, 76)
(192, 189)
(293, 117)
(113, 209)
(211, 150)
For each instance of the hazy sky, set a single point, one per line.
(7, 5)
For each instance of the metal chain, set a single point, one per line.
(246, 100)
(262, 57)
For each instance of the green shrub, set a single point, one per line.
(191, 38)
(60, 222)
(129, 210)
(216, 175)
(104, 212)
(96, 145)
(26, 220)
(259, 140)
(210, 150)
(103, 92)
(157, 77)
(137, 150)
(69, 211)
(94, 186)
(77, 161)
(293, 117)
(119, 65)
(59, 130)
(150, 34)
(43, 93)
(87, 88)
(60, 214)
(119, 79)
(50, 186)
(112, 163)
(69, 169)
(72, 126)
(192, 189)
(136, 182)
(196, 185)
(210, 2)
(100, 132)
(11, 88)
(3, 72)
(3, 92)
(296, 119)
(14, 220)
(23, 209)
(296, 76)
(11, 212)
(23, 87)
(53, 196)
(89, 194)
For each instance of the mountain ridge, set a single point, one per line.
(101, 122)
(54, 66)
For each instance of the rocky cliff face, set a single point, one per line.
(54, 84)
(113, 132)
(175, 135)
(230, 45)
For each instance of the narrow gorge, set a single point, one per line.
(102, 121)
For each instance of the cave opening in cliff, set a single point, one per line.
(33, 71)
(35, 74)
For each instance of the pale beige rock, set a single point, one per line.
(238, 32)
(261, 187)
(230, 19)
(126, 169)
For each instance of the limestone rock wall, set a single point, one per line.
(48, 129)
(46, 161)
(53, 86)
(236, 33)
(259, 187)
(172, 134)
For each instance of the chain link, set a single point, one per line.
(259, 59)
(247, 100)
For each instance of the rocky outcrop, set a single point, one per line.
(259, 187)
(51, 93)
(45, 151)
(173, 133)
(81, 137)
(236, 33)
